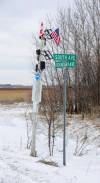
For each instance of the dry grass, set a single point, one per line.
(51, 163)
(15, 95)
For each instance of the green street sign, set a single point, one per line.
(69, 64)
(64, 57)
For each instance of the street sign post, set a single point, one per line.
(64, 61)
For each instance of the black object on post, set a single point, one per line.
(42, 65)
(38, 52)
(37, 68)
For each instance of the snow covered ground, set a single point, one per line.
(17, 166)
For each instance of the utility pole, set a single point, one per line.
(37, 90)
(36, 99)
(33, 145)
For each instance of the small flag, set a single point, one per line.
(55, 36)
(41, 33)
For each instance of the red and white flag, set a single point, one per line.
(41, 33)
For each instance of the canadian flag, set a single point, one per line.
(41, 33)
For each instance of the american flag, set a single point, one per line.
(55, 36)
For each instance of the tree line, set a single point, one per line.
(80, 32)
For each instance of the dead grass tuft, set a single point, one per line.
(51, 163)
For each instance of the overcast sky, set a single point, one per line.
(19, 19)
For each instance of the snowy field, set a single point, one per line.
(17, 166)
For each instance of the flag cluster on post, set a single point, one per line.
(55, 36)
(48, 32)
